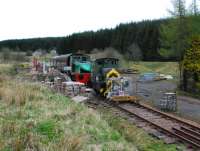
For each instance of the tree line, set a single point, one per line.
(144, 35)
(149, 40)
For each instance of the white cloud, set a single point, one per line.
(41, 18)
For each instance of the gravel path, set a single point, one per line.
(152, 93)
(189, 107)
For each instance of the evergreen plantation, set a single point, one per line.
(144, 34)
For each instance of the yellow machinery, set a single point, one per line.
(117, 88)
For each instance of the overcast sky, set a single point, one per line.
(44, 18)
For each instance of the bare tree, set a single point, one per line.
(134, 52)
(5, 54)
(178, 36)
(195, 8)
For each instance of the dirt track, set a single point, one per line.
(153, 91)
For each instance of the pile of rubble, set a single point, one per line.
(61, 83)
(151, 76)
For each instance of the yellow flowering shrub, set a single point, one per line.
(191, 60)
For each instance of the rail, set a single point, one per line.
(182, 129)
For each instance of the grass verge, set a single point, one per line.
(135, 135)
(34, 118)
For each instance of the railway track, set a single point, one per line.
(168, 124)
(171, 125)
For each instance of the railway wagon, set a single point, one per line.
(76, 65)
(107, 80)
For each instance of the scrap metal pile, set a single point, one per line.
(63, 84)
(151, 76)
(118, 89)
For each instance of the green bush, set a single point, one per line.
(198, 86)
(12, 55)
(48, 128)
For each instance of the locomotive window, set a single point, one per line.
(99, 63)
(85, 58)
(77, 58)
(68, 61)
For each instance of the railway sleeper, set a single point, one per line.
(194, 132)
(187, 135)
(176, 134)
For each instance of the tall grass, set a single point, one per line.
(8, 55)
(18, 93)
(34, 118)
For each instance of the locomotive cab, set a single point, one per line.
(76, 65)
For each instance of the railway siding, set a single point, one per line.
(171, 125)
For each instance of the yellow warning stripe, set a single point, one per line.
(112, 73)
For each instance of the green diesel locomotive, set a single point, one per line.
(107, 80)
(76, 65)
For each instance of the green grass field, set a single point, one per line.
(159, 67)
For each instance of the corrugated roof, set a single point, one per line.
(62, 56)
(67, 55)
